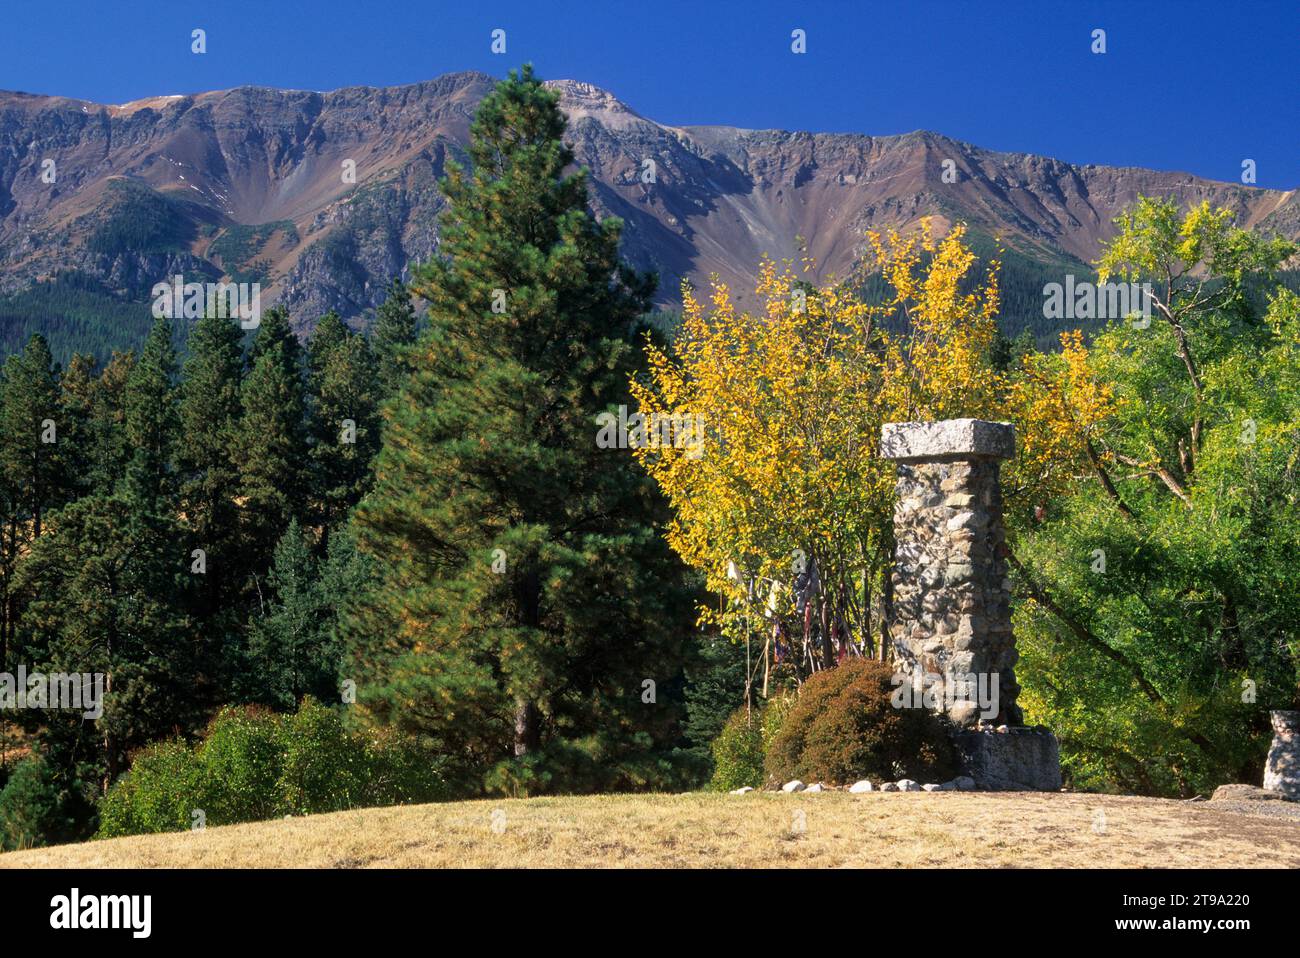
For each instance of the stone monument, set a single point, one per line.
(951, 629)
(1282, 767)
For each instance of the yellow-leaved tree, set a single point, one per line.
(784, 503)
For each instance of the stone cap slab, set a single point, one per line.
(947, 439)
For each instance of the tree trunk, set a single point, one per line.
(828, 647)
(110, 745)
(528, 727)
(887, 609)
(868, 642)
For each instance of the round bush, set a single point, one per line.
(323, 767)
(844, 727)
(241, 758)
(160, 793)
(738, 752)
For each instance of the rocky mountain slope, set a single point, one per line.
(323, 196)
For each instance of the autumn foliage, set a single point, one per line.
(1151, 504)
(788, 511)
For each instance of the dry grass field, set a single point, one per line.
(828, 830)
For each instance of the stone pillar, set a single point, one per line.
(1282, 768)
(951, 630)
(952, 601)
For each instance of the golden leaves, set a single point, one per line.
(794, 396)
(789, 399)
(1059, 402)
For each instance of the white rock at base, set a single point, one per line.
(907, 785)
(889, 787)
(793, 786)
(931, 788)
(742, 790)
(815, 788)
(863, 786)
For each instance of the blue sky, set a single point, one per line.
(1188, 85)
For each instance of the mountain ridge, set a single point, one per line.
(253, 183)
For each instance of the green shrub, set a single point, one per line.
(161, 792)
(324, 768)
(401, 772)
(255, 765)
(738, 752)
(844, 727)
(241, 757)
(775, 711)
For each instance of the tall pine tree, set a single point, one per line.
(344, 420)
(79, 393)
(271, 439)
(207, 460)
(152, 423)
(292, 650)
(34, 473)
(110, 451)
(105, 597)
(92, 431)
(523, 593)
(392, 336)
(31, 458)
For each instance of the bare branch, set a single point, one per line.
(1164, 475)
(1104, 477)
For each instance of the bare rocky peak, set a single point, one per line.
(585, 99)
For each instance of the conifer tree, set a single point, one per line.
(523, 594)
(30, 455)
(207, 458)
(330, 333)
(92, 429)
(344, 419)
(152, 424)
(271, 439)
(79, 389)
(34, 475)
(107, 587)
(292, 649)
(109, 451)
(104, 586)
(392, 335)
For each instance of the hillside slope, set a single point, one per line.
(324, 196)
(832, 829)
